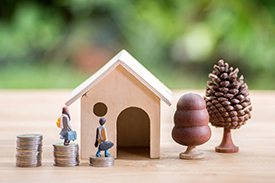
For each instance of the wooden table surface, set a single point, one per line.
(36, 111)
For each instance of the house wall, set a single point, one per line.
(119, 90)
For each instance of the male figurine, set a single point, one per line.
(101, 141)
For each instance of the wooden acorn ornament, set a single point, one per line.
(228, 103)
(191, 125)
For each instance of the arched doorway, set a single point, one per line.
(133, 133)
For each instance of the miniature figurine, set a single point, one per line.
(101, 141)
(66, 132)
(191, 125)
(228, 103)
(66, 154)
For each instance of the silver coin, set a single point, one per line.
(30, 135)
(30, 147)
(32, 138)
(28, 157)
(18, 143)
(57, 154)
(66, 157)
(28, 161)
(75, 161)
(66, 162)
(26, 140)
(34, 153)
(28, 164)
(65, 147)
(60, 145)
(65, 165)
(66, 151)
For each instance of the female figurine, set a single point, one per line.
(101, 141)
(65, 125)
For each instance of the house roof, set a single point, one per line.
(131, 65)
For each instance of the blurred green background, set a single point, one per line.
(60, 43)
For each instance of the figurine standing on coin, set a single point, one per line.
(101, 141)
(66, 132)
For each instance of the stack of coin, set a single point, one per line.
(101, 161)
(29, 150)
(65, 155)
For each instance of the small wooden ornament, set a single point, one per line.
(228, 103)
(191, 125)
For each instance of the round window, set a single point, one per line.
(100, 109)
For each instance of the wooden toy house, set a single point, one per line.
(129, 97)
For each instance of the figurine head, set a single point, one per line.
(102, 121)
(65, 110)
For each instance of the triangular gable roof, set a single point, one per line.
(131, 65)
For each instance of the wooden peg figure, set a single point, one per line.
(191, 125)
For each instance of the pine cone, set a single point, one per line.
(227, 98)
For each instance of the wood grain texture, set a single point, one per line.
(34, 111)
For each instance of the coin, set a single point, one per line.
(29, 137)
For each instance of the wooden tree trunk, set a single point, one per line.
(227, 145)
(191, 153)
